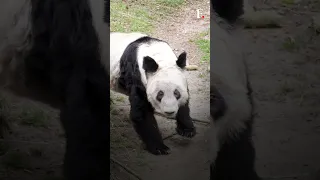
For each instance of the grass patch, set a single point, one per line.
(171, 3)
(201, 75)
(120, 98)
(33, 117)
(115, 112)
(289, 44)
(288, 2)
(140, 16)
(204, 46)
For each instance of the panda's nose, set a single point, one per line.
(169, 112)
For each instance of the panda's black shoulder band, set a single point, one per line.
(218, 105)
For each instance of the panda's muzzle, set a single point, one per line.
(169, 113)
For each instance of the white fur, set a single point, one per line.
(167, 78)
(228, 75)
(118, 43)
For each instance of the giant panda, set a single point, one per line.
(231, 107)
(152, 76)
(51, 51)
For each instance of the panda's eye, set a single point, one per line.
(177, 94)
(160, 96)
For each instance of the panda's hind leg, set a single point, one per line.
(185, 126)
(144, 122)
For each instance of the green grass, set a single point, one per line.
(120, 98)
(288, 2)
(204, 46)
(290, 44)
(140, 15)
(171, 3)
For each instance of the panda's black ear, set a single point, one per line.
(149, 64)
(182, 60)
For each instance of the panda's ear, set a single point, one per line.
(149, 64)
(182, 60)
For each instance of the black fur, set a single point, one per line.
(142, 112)
(236, 156)
(235, 159)
(182, 60)
(228, 9)
(218, 106)
(65, 61)
(185, 125)
(149, 65)
(107, 11)
(144, 122)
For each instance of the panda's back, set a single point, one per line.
(118, 43)
(159, 50)
(143, 45)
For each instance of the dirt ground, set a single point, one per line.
(285, 79)
(284, 73)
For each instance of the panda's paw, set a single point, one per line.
(158, 149)
(186, 132)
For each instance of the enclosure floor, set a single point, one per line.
(286, 93)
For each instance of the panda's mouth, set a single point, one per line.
(165, 116)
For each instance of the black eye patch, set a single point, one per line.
(177, 94)
(160, 95)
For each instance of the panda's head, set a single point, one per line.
(167, 87)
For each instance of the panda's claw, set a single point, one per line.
(189, 133)
(159, 149)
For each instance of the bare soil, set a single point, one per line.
(285, 80)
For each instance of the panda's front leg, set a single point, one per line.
(144, 122)
(185, 126)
